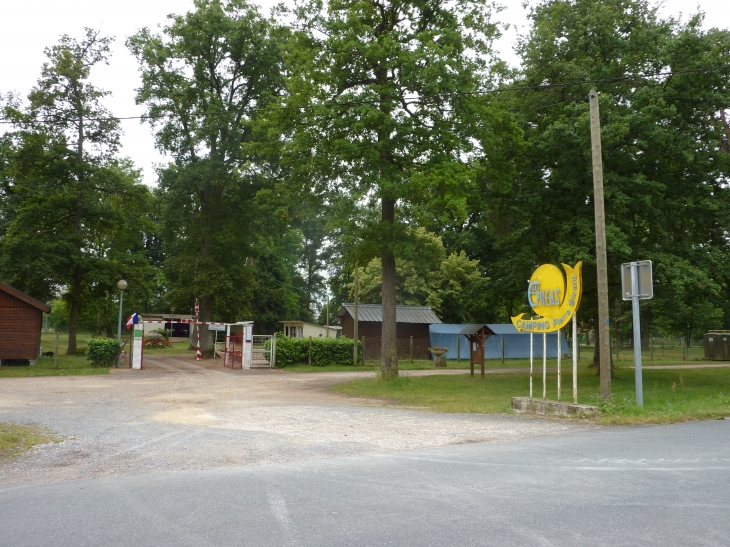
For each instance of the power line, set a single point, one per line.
(282, 283)
(409, 99)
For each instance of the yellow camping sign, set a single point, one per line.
(551, 298)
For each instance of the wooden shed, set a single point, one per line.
(21, 318)
(411, 321)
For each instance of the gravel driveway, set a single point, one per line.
(178, 414)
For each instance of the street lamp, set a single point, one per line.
(121, 285)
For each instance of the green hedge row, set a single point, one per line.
(325, 351)
(102, 352)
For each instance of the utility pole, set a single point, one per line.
(354, 327)
(601, 259)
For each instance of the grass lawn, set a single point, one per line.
(16, 439)
(664, 357)
(669, 395)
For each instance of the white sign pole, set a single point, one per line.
(575, 359)
(637, 333)
(137, 346)
(531, 363)
(560, 351)
(544, 365)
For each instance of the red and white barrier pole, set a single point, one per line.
(198, 355)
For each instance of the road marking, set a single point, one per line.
(281, 513)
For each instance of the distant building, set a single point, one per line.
(167, 321)
(410, 321)
(300, 329)
(21, 317)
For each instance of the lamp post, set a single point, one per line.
(121, 285)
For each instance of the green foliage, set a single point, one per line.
(453, 285)
(324, 351)
(103, 352)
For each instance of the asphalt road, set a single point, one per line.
(656, 485)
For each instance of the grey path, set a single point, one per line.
(180, 415)
(649, 486)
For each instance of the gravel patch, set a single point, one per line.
(181, 415)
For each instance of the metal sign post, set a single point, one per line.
(637, 284)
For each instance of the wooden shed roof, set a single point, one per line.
(24, 297)
(403, 314)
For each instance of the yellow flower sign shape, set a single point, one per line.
(551, 298)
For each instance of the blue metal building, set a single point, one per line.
(516, 345)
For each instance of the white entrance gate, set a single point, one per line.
(263, 351)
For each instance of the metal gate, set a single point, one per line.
(263, 351)
(233, 357)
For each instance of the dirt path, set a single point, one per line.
(179, 414)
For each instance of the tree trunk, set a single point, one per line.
(210, 199)
(77, 273)
(75, 310)
(597, 352)
(389, 341)
(617, 320)
(646, 328)
(206, 314)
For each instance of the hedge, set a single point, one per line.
(325, 351)
(102, 352)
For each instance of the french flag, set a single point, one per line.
(133, 320)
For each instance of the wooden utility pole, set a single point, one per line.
(354, 326)
(601, 259)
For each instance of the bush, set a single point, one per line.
(325, 351)
(81, 350)
(157, 343)
(103, 352)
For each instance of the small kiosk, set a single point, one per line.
(477, 335)
(238, 349)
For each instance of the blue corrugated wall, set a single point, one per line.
(516, 345)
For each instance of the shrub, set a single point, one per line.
(324, 351)
(157, 343)
(103, 352)
(81, 350)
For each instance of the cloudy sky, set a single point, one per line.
(31, 25)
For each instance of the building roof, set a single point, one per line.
(497, 329)
(403, 314)
(312, 324)
(24, 297)
(472, 329)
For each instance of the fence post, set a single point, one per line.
(309, 353)
(651, 348)
(363, 350)
(272, 357)
(55, 355)
(458, 349)
(681, 343)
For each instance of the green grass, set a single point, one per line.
(68, 365)
(666, 357)
(16, 439)
(669, 395)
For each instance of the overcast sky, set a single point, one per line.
(27, 27)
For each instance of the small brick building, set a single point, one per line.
(21, 318)
(410, 321)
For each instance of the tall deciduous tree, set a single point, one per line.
(384, 92)
(204, 78)
(77, 213)
(665, 168)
